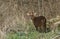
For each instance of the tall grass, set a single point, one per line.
(32, 34)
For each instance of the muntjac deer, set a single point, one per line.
(39, 22)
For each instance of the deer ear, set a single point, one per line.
(27, 13)
(35, 14)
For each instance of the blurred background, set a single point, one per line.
(15, 24)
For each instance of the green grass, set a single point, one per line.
(32, 34)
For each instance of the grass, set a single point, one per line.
(32, 34)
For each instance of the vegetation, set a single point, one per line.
(33, 35)
(15, 24)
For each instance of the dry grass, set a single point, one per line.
(13, 18)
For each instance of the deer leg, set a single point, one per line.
(45, 29)
(36, 28)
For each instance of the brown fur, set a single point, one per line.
(39, 22)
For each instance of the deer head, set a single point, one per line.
(32, 15)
